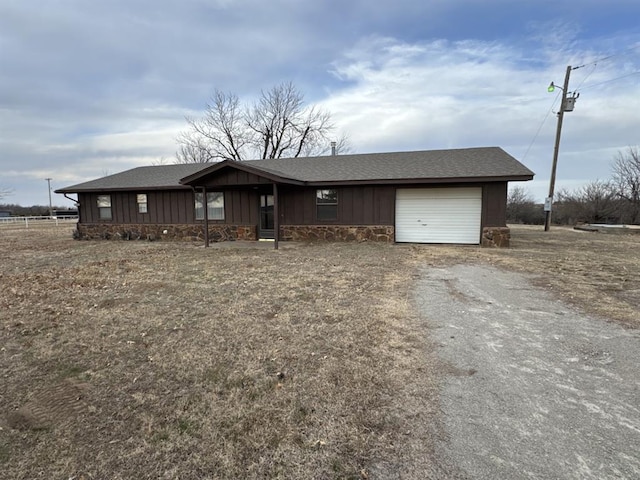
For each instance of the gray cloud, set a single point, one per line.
(92, 86)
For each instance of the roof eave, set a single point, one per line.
(417, 181)
(185, 183)
(121, 189)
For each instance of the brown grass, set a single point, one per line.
(168, 360)
(202, 363)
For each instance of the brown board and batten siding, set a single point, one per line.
(361, 205)
(163, 207)
(171, 207)
(494, 206)
(357, 205)
(234, 177)
(240, 206)
(241, 197)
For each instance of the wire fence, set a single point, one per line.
(39, 221)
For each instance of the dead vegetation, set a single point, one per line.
(168, 360)
(202, 363)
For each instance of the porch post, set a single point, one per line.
(206, 216)
(276, 217)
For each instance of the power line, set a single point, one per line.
(612, 80)
(588, 75)
(608, 57)
(599, 60)
(535, 137)
(594, 64)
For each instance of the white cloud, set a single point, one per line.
(458, 94)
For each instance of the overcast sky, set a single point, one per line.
(89, 88)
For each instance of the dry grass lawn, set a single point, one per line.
(168, 360)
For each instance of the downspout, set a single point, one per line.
(69, 198)
(76, 202)
(276, 217)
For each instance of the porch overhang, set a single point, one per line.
(208, 175)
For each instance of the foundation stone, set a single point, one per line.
(496, 237)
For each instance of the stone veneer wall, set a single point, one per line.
(217, 233)
(491, 236)
(340, 233)
(496, 237)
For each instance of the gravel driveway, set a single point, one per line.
(535, 389)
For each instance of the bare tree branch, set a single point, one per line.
(219, 135)
(193, 149)
(626, 178)
(594, 202)
(160, 161)
(277, 125)
(522, 208)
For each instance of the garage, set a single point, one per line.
(438, 215)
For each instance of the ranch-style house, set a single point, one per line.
(438, 196)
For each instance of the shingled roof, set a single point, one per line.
(486, 162)
(158, 177)
(469, 164)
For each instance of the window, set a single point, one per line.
(104, 207)
(141, 198)
(327, 204)
(215, 206)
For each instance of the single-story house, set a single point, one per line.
(439, 196)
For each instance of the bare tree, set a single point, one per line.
(521, 207)
(277, 125)
(626, 180)
(193, 149)
(342, 146)
(595, 202)
(160, 161)
(599, 204)
(221, 134)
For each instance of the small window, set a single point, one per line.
(215, 206)
(141, 198)
(104, 207)
(327, 204)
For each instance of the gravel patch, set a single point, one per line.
(535, 389)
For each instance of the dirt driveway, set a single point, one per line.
(536, 389)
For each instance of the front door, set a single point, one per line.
(266, 216)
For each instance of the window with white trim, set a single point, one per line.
(141, 199)
(104, 207)
(215, 206)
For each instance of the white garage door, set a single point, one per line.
(438, 215)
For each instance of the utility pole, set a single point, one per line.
(565, 106)
(49, 188)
